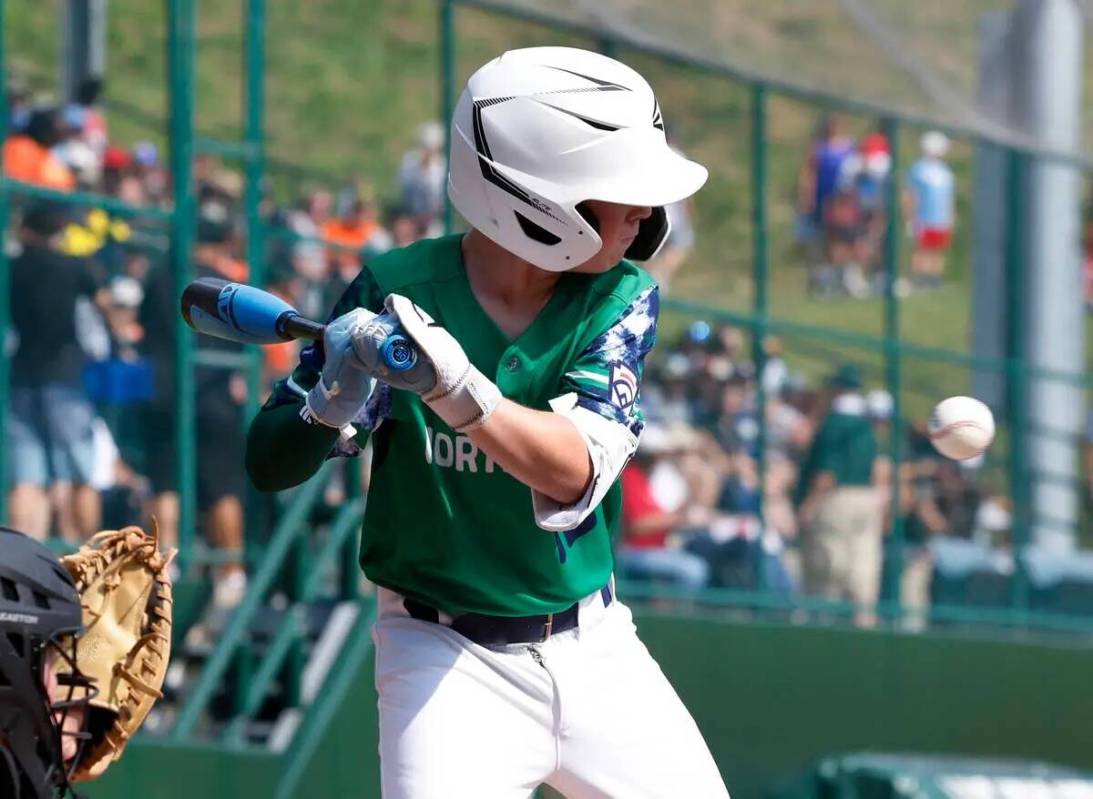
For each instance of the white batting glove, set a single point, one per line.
(345, 384)
(443, 376)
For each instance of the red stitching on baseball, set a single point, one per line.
(949, 428)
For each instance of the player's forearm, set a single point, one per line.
(283, 450)
(541, 449)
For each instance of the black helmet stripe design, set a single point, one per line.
(485, 157)
(586, 120)
(602, 85)
(483, 147)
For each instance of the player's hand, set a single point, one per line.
(443, 376)
(343, 388)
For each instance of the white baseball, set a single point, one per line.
(961, 427)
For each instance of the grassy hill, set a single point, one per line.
(350, 80)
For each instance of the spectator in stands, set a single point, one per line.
(816, 184)
(845, 231)
(50, 426)
(353, 232)
(153, 177)
(867, 170)
(921, 521)
(732, 343)
(84, 108)
(938, 501)
(74, 152)
(422, 178)
(788, 430)
(775, 369)
(645, 553)
(669, 399)
(840, 514)
(28, 156)
(738, 424)
(404, 228)
(219, 395)
(931, 210)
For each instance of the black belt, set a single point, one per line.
(500, 630)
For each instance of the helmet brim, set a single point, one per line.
(653, 175)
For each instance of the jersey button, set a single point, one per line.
(512, 364)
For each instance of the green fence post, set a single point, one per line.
(447, 88)
(349, 567)
(255, 24)
(5, 279)
(893, 356)
(760, 305)
(1016, 371)
(181, 23)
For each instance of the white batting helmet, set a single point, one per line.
(538, 131)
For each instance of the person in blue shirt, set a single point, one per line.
(931, 210)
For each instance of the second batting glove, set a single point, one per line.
(443, 375)
(345, 383)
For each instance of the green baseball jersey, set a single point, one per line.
(446, 525)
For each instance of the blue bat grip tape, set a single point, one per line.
(398, 352)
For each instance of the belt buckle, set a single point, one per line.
(547, 627)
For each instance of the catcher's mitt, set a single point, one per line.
(125, 591)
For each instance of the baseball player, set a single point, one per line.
(504, 659)
(40, 723)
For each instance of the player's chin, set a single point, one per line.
(603, 261)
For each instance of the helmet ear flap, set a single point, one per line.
(586, 213)
(651, 236)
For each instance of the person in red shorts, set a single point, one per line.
(931, 210)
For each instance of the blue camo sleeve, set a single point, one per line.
(607, 374)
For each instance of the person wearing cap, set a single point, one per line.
(931, 210)
(840, 509)
(50, 427)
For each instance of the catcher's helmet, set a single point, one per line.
(39, 609)
(538, 131)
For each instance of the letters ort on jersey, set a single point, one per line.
(457, 452)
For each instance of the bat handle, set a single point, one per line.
(291, 325)
(397, 350)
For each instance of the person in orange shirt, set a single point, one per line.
(27, 156)
(351, 231)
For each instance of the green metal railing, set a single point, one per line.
(285, 556)
(181, 32)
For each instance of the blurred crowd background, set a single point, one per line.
(92, 374)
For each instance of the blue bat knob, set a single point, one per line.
(398, 353)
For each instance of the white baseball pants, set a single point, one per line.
(588, 712)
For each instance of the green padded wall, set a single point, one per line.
(770, 699)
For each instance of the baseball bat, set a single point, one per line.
(249, 315)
